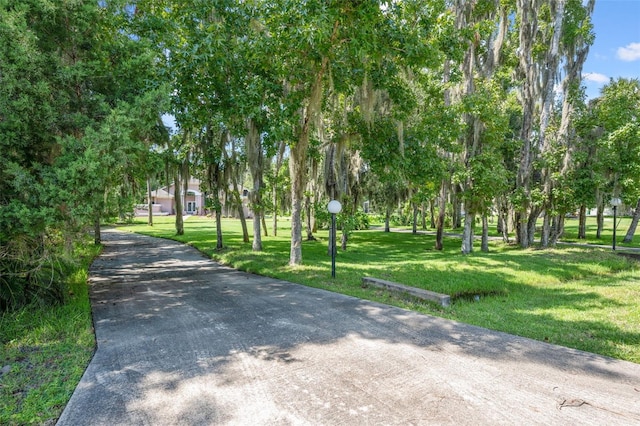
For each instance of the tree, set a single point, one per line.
(616, 114)
(275, 179)
(559, 148)
(66, 70)
(479, 98)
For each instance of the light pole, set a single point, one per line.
(615, 202)
(334, 208)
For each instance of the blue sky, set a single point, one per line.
(616, 49)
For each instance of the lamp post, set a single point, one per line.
(615, 202)
(334, 208)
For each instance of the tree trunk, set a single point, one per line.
(219, 243)
(456, 218)
(442, 202)
(298, 157)
(467, 233)
(582, 225)
(255, 159)
(297, 168)
(485, 234)
(237, 200)
(415, 218)
(432, 213)
(185, 183)
(531, 224)
(503, 216)
(150, 203)
(274, 199)
(557, 230)
(97, 236)
(257, 230)
(442, 206)
(522, 238)
(308, 207)
(546, 229)
(547, 80)
(387, 218)
(599, 213)
(264, 225)
(243, 223)
(423, 210)
(177, 198)
(502, 225)
(274, 189)
(634, 224)
(529, 91)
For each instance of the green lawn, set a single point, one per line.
(585, 298)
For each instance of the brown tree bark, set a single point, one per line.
(177, 198)
(528, 29)
(298, 159)
(255, 159)
(150, 203)
(582, 223)
(97, 236)
(442, 209)
(634, 224)
(274, 188)
(599, 213)
(485, 234)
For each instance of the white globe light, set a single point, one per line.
(615, 202)
(334, 206)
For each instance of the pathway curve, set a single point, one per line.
(185, 341)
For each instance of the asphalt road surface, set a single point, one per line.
(185, 341)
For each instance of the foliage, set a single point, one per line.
(74, 121)
(347, 222)
(30, 272)
(617, 112)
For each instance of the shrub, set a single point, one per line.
(32, 270)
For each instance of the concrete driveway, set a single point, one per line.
(185, 341)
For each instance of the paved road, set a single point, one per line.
(185, 341)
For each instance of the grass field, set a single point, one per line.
(580, 297)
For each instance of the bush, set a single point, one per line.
(351, 222)
(31, 271)
(359, 221)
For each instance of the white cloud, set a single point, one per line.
(629, 53)
(595, 77)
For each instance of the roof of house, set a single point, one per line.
(161, 193)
